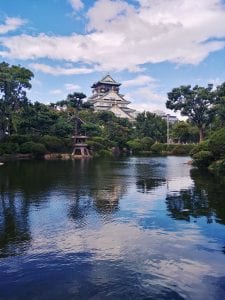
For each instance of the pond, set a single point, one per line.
(130, 228)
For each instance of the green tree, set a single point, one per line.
(14, 81)
(220, 104)
(151, 125)
(184, 132)
(195, 103)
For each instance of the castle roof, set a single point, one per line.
(106, 80)
(109, 97)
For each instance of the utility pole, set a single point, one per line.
(168, 129)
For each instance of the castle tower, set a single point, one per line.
(106, 97)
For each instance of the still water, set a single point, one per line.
(133, 228)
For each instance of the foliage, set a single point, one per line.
(53, 125)
(91, 129)
(203, 146)
(9, 148)
(151, 125)
(146, 143)
(211, 154)
(220, 103)
(217, 143)
(39, 150)
(181, 149)
(158, 148)
(74, 100)
(95, 146)
(26, 147)
(14, 81)
(184, 132)
(118, 133)
(218, 167)
(104, 153)
(202, 159)
(52, 143)
(140, 145)
(135, 145)
(195, 103)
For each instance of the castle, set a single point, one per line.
(106, 97)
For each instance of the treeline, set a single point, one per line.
(36, 128)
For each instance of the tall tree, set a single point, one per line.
(151, 125)
(220, 103)
(75, 100)
(184, 132)
(14, 81)
(195, 103)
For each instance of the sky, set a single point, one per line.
(150, 46)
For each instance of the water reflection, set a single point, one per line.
(204, 199)
(14, 228)
(135, 228)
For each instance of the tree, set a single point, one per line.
(195, 103)
(75, 100)
(184, 132)
(151, 125)
(220, 103)
(14, 81)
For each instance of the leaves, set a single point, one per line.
(195, 103)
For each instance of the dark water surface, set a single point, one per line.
(134, 228)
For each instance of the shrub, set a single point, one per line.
(26, 147)
(52, 143)
(181, 149)
(203, 159)
(218, 167)
(19, 139)
(68, 142)
(91, 129)
(146, 143)
(95, 145)
(135, 145)
(105, 142)
(104, 153)
(39, 150)
(203, 146)
(217, 143)
(9, 148)
(158, 148)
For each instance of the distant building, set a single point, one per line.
(171, 119)
(106, 97)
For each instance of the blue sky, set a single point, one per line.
(150, 46)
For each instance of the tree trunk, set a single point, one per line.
(201, 134)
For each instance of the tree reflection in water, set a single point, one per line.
(146, 177)
(204, 199)
(14, 225)
(97, 190)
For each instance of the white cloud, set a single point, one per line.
(125, 37)
(146, 98)
(72, 87)
(140, 80)
(76, 4)
(113, 11)
(59, 70)
(56, 92)
(11, 24)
